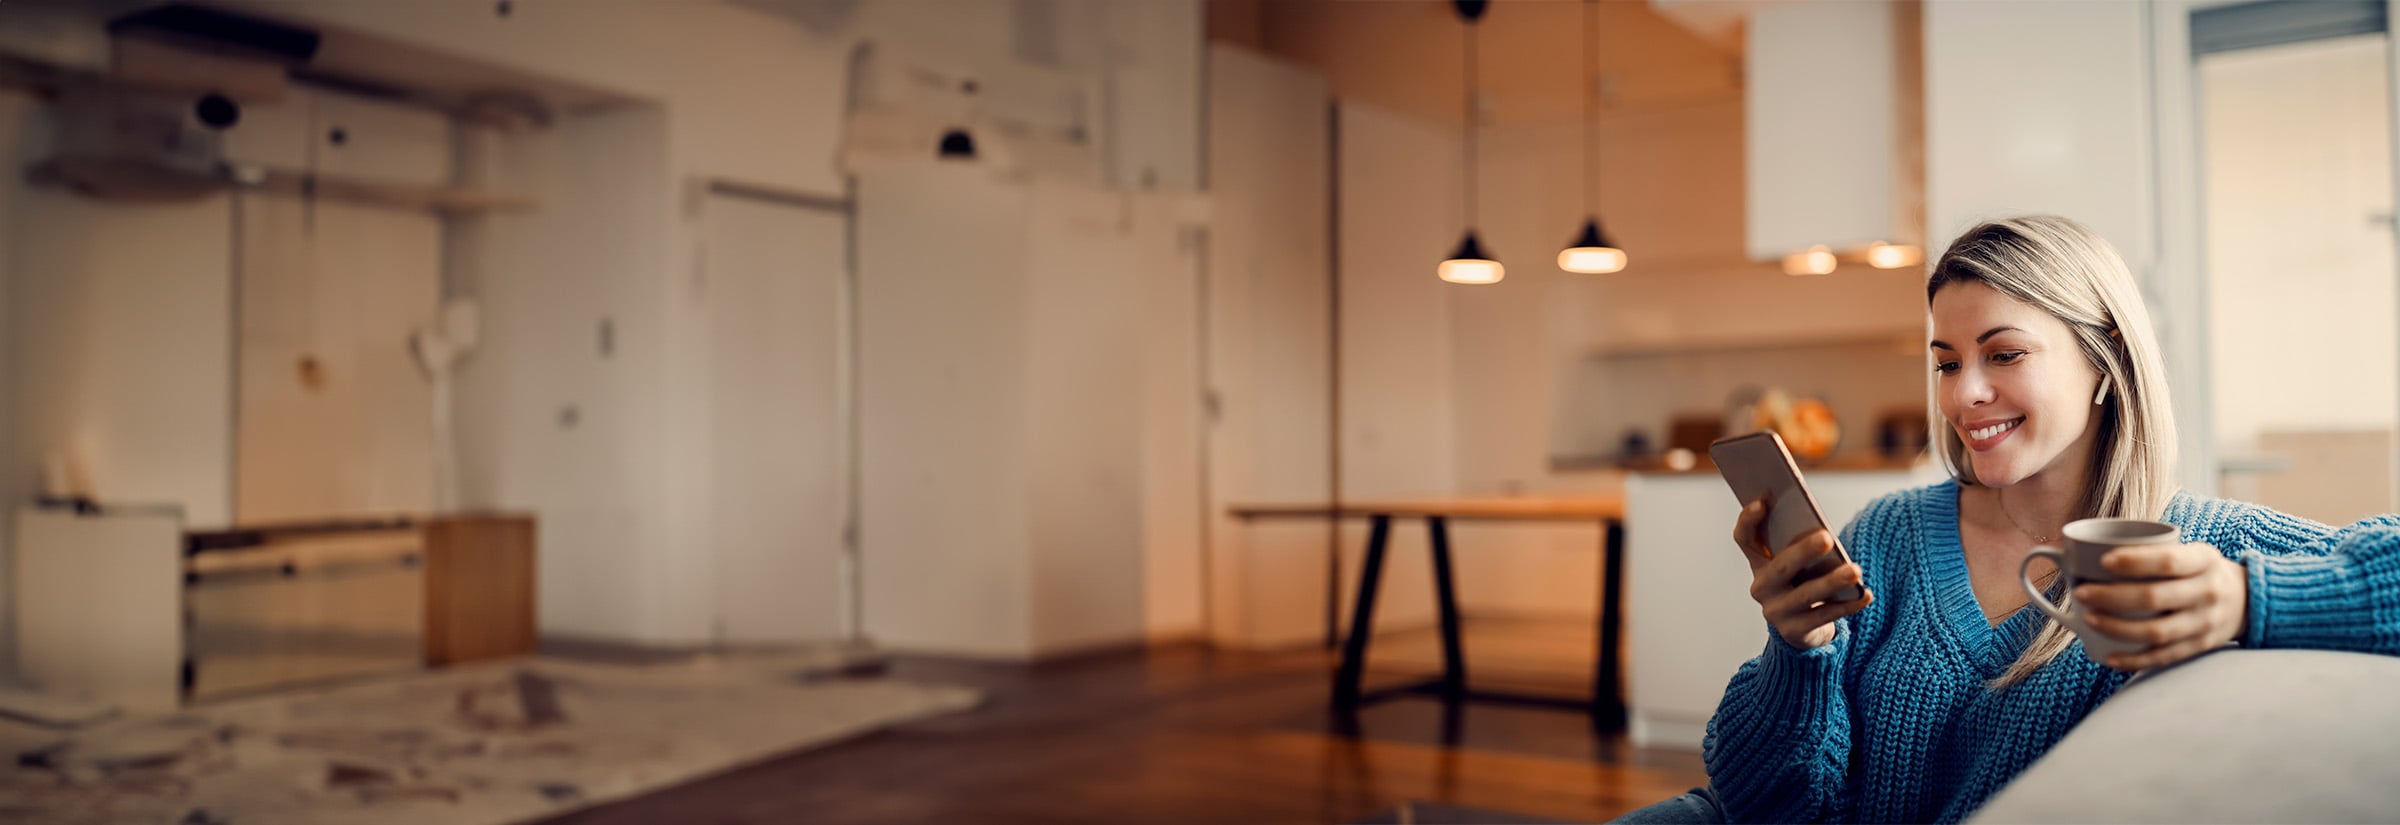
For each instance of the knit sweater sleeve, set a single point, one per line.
(2312, 586)
(1778, 748)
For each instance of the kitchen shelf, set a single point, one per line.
(1912, 337)
(125, 179)
(446, 200)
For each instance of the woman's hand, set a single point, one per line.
(1802, 612)
(2200, 596)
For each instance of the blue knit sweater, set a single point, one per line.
(1892, 721)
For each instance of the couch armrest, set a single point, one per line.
(2234, 736)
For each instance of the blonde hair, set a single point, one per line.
(2062, 268)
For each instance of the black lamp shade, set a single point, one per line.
(958, 144)
(1591, 252)
(1470, 248)
(1470, 264)
(1592, 237)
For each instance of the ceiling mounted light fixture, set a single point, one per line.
(1882, 255)
(1469, 263)
(957, 144)
(1815, 260)
(1591, 252)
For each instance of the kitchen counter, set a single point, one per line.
(1689, 619)
(1838, 462)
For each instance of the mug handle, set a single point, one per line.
(2025, 579)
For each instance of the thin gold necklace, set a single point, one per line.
(2000, 494)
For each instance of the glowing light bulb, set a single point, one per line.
(1595, 260)
(1893, 256)
(1815, 260)
(1472, 271)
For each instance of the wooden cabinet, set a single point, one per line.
(126, 607)
(479, 586)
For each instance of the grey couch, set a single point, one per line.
(2284, 736)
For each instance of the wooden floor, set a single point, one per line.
(1185, 734)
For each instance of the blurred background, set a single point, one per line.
(652, 369)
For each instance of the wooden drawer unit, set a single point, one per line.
(126, 606)
(479, 586)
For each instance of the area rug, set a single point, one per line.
(492, 742)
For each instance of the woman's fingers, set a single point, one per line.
(1799, 600)
(2160, 656)
(1804, 552)
(2167, 629)
(2139, 597)
(2160, 561)
(1771, 580)
(2203, 610)
(1749, 535)
(1825, 614)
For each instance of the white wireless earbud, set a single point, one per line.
(2101, 397)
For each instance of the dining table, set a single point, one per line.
(1607, 511)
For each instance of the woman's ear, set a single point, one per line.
(2101, 397)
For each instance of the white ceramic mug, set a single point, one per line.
(2079, 557)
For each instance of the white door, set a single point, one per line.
(2296, 165)
(775, 299)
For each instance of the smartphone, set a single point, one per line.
(1757, 465)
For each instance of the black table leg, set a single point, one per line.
(1362, 619)
(1445, 593)
(1608, 696)
(1333, 587)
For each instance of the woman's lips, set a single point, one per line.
(1992, 434)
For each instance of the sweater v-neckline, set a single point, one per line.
(1991, 647)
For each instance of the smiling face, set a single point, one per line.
(2012, 383)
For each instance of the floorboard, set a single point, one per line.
(1191, 735)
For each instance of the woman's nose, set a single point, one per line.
(1967, 389)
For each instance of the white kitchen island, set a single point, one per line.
(1689, 619)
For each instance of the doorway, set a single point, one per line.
(2295, 157)
(776, 297)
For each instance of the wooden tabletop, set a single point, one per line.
(1525, 508)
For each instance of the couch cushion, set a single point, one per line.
(2234, 736)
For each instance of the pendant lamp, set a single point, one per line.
(1590, 252)
(1469, 263)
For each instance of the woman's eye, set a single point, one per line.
(1945, 367)
(2006, 357)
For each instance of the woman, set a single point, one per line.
(1921, 699)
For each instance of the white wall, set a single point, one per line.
(17, 121)
(549, 421)
(758, 97)
(339, 286)
(1827, 136)
(776, 287)
(1154, 93)
(124, 349)
(2067, 133)
(1085, 417)
(342, 285)
(749, 96)
(1397, 427)
(1174, 486)
(119, 351)
(1270, 365)
(739, 94)
(943, 409)
(1003, 412)
(2298, 165)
